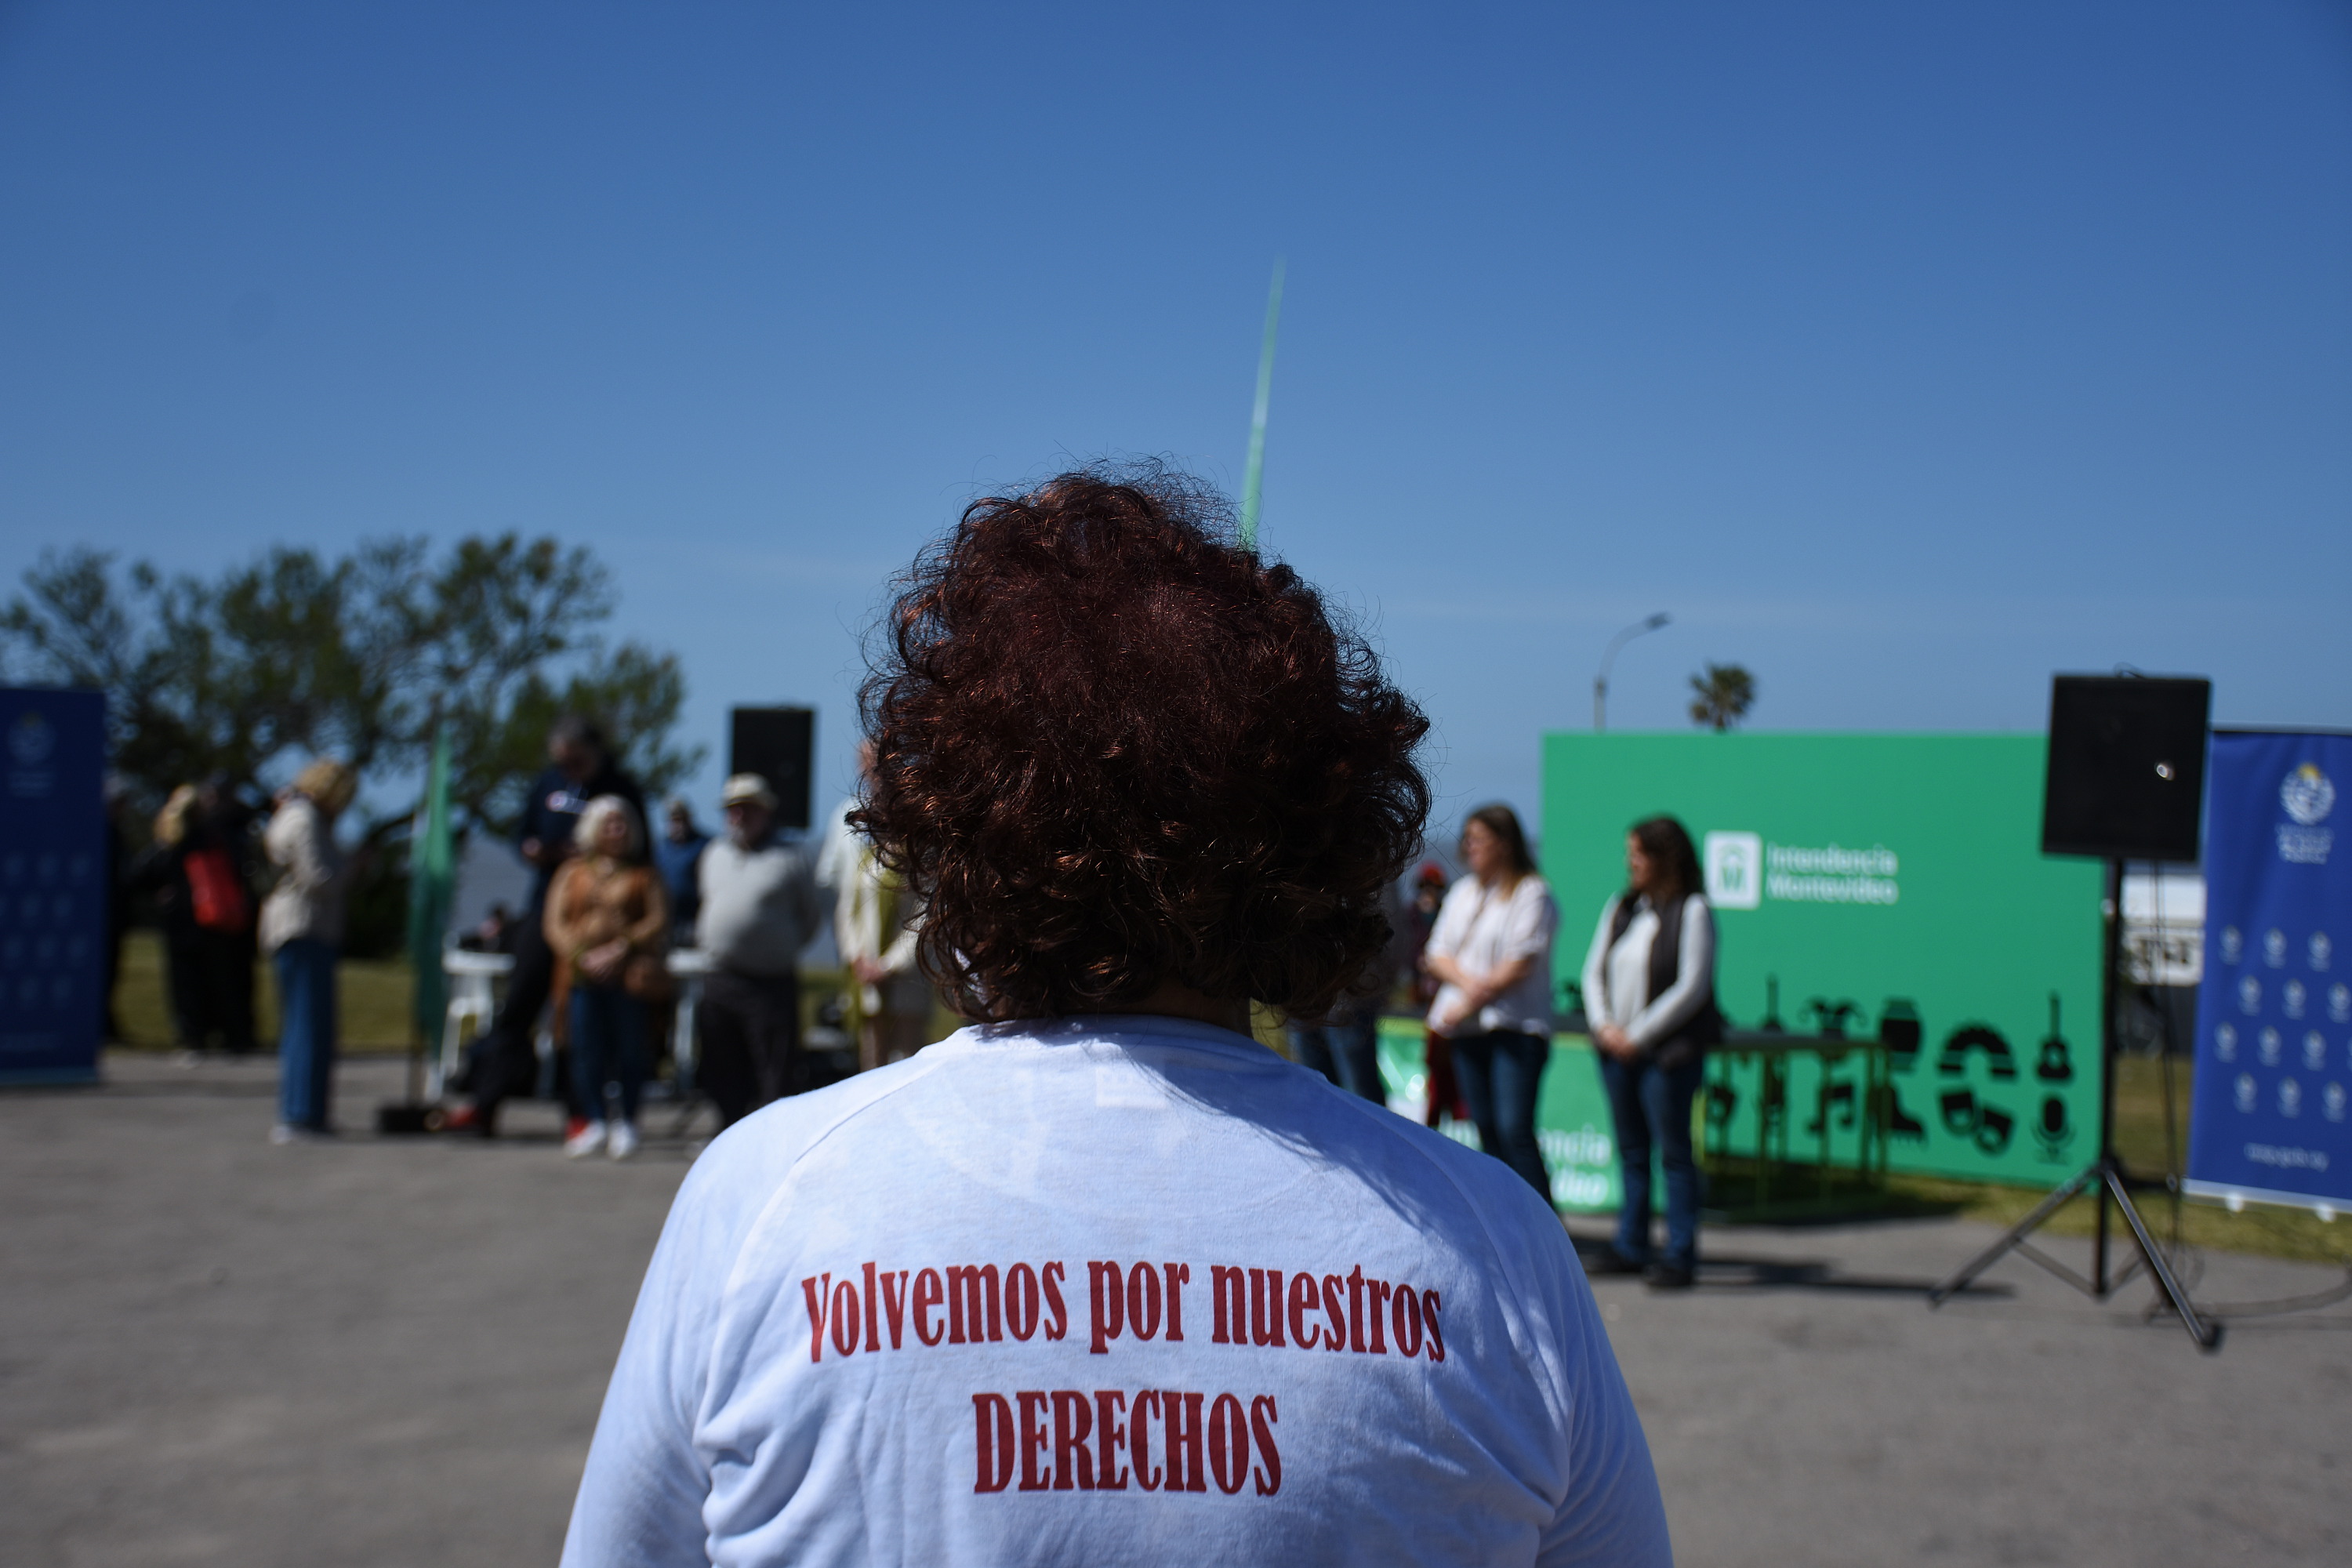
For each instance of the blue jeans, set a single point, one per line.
(306, 1032)
(608, 1043)
(1653, 1104)
(1346, 1050)
(1499, 1074)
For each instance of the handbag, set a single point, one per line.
(215, 896)
(648, 978)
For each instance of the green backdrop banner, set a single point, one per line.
(1900, 875)
(1572, 1113)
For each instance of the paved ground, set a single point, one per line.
(389, 1352)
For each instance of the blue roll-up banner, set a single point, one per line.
(2268, 1118)
(53, 885)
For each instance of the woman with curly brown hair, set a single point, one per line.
(1100, 1278)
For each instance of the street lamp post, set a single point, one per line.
(1600, 682)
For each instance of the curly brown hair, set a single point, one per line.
(1113, 748)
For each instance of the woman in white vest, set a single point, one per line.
(1649, 989)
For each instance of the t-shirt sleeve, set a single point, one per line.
(1611, 1512)
(1528, 923)
(642, 1495)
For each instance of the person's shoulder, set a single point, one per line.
(1421, 1170)
(743, 1166)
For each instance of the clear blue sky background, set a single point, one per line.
(1906, 354)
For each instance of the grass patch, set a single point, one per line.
(2262, 1228)
(372, 996)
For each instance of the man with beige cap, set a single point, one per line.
(759, 910)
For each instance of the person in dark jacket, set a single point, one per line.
(200, 871)
(677, 855)
(580, 768)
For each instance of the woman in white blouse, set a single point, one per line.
(1649, 989)
(1491, 950)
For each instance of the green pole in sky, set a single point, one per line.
(1256, 471)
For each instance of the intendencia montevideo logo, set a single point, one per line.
(1742, 872)
(2308, 795)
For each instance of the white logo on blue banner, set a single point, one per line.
(2274, 1123)
(2308, 795)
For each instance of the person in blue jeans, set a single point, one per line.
(1649, 990)
(1344, 1047)
(608, 924)
(302, 931)
(1491, 953)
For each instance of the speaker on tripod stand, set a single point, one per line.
(2126, 781)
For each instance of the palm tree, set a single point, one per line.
(1721, 696)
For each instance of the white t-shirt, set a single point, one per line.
(1483, 931)
(1096, 1290)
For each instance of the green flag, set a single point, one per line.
(432, 878)
(1256, 471)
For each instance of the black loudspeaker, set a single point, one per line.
(2126, 778)
(775, 744)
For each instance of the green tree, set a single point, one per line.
(295, 654)
(1721, 695)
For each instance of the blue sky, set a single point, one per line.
(1903, 353)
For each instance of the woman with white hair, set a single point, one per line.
(302, 931)
(606, 923)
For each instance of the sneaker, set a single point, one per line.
(624, 1140)
(284, 1133)
(1609, 1260)
(588, 1138)
(1668, 1277)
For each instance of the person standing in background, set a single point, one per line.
(876, 930)
(837, 854)
(760, 908)
(608, 926)
(1444, 1098)
(1345, 1048)
(579, 769)
(1491, 953)
(302, 931)
(1649, 990)
(878, 927)
(677, 855)
(198, 870)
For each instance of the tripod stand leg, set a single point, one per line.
(2014, 1238)
(2207, 1335)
